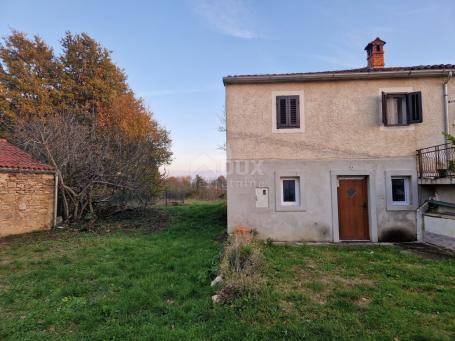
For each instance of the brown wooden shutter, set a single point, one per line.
(287, 112)
(297, 121)
(384, 108)
(414, 107)
(293, 112)
(281, 112)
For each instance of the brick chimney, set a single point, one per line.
(375, 53)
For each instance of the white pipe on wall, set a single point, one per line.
(446, 104)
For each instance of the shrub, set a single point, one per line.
(241, 267)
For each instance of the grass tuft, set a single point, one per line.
(241, 268)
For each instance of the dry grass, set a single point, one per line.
(241, 267)
(319, 284)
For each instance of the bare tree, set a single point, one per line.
(93, 165)
(222, 129)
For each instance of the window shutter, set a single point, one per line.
(293, 111)
(287, 112)
(281, 112)
(414, 107)
(384, 108)
(297, 99)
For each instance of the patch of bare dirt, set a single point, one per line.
(143, 219)
(428, 251)
(53, 234)
(140, 219)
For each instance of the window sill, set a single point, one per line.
(399, 207)
(289, 208)
(397, 127)
(290, 204)
(400, 204)
(288, 130)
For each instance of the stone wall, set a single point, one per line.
(26, 202)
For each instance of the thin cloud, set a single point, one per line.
(347, 51)
(229, 17)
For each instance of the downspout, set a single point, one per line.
(446, 105)
(55, 198)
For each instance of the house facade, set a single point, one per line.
(331, 156)
(28, 192)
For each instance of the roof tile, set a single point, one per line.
(361, 70)
(12, 157)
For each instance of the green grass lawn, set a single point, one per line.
(155, 285)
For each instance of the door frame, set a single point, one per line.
(372, 219)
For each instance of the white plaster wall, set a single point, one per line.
(315, 221)
(341, 118)
(342, 131)
(438, 225)
(445, 193)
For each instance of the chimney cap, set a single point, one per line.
(377, 41)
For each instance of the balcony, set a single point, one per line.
(436, 164)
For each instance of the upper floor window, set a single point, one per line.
(401, 108)
(287, 112)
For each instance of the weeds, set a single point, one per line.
(241, 267)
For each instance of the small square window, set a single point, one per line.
(400, 190)
(290, 191)
(287, 112)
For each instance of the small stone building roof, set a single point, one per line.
(12, 157)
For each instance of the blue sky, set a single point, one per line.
(175, 53)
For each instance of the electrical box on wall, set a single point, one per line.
(262, 197)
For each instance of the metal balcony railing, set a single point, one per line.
(436, 162)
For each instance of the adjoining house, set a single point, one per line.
(331, 156)
(27, 192)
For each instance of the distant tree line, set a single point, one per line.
(75, 111)
(196, 187)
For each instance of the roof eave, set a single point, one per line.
(26, 170)
(297, 78)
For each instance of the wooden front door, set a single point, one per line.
(353, 208)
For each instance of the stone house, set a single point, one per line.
(331, 156)
(27, 192)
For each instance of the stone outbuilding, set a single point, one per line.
(28, 198)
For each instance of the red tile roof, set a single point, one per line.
(12, 157)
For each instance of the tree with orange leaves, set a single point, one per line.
(77, 112)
